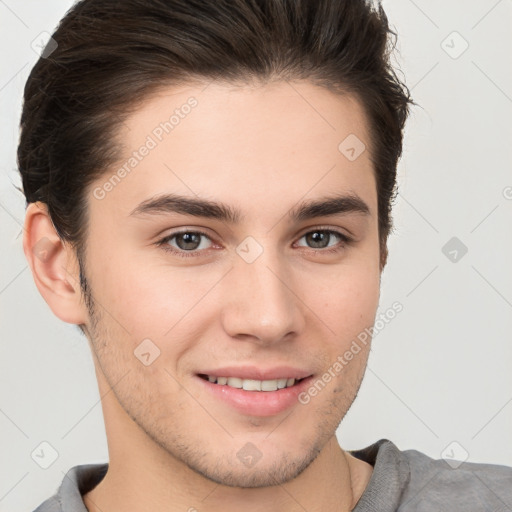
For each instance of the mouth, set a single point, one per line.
(252, 384)
(256, 397)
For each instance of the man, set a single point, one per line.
(209, 189)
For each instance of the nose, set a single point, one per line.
(261, 303)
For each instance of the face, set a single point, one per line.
(207, 257)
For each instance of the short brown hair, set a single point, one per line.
(110, 54)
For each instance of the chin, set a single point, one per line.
(252, 478)
(261, 474)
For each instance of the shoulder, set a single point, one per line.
(52, 504)
(467, 485)
(76, 482)
(411, 481)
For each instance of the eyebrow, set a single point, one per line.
(172, 203)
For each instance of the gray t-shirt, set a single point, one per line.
(404, 481)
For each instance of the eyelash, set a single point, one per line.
(193, 253)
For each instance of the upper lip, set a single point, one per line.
(255, 373)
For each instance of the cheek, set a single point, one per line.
(347, 300)
(152, 300)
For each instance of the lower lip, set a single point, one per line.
(257, 403)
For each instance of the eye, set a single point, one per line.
(189, 243)
(322, 238)
(186, 243)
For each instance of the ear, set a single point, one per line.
(54, 266)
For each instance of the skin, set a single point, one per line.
(260, 149)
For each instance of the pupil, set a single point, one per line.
(191, 240)
(318, 237)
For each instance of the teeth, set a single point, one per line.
(235, 382)
(251, 384)
(269, 385)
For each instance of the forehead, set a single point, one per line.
(243, 145)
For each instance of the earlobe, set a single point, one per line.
(53, 265)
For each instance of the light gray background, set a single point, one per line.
(438, 373)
